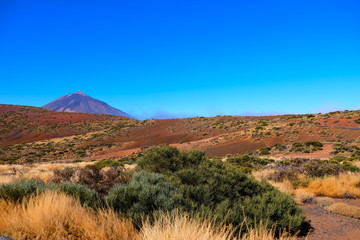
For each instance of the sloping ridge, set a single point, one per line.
(82, 103)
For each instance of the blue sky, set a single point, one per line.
(184, 58)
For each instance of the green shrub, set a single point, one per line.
(271, 208)
(249, 161)
(144, 195)
(223, 192)
(19, 190)
(349, 167)
(357, 121)
(86, 196)
(314, 143)
(107, 163)
(264, 151)
(280, 147)
(297, 145)
(167, 159)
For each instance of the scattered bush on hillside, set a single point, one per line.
(347, 149)
(248, 162)
(313, 168)
(357, 121)
(264, 151)
(306, 147)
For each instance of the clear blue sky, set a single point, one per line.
(184, 58)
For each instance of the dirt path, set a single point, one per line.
(329, 226)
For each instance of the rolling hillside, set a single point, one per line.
(38, 134)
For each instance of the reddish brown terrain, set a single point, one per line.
(34, 132)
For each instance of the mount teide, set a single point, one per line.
(82, 103)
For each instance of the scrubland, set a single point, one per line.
(170, 195)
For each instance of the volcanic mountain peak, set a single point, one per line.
(82, 103)
(81, 93)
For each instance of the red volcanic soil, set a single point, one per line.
(159, 133)
(338, 122)
(331, 226)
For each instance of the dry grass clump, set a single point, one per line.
(183, 227)
(44, 171)
(57, 216)
(324, 201)
(345, 209)
(302, 196)
(285, 186)
(261, 233)
(336, 186)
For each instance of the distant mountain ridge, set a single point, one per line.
(82, 103)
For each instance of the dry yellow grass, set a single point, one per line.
(285, 186)
(336, 186)
(58, 216)
(182, 227)
(43, 171)
(345, 209)
(261, 233)
(302, 196)
(324, 201)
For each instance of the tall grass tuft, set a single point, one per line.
(183, 227)
(336, 186)
(53, 215)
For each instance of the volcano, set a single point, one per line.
(82, 103)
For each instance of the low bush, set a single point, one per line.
(144, 195)
(165, 159)
(106, 163)
(86, 196)
(314, 143)
(249, 161)
(264, 151)
(19, 190)
(313, 168)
